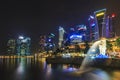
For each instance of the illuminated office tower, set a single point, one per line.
(42, 43)
(82, 30)
(93, 34)
(50, 44)
(23, 45)
(11, 46)
(61, 36)
(79, 34)
(100, 17)
(109, 26)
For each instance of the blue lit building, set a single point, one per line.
(104, 24)
(93, 32)
(100, 25)
(100, 20)
(23, 45)
(50, 45)
(109, 27)
(78, 34)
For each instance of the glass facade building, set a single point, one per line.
(23, 45)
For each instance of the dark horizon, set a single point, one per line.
(32, 18)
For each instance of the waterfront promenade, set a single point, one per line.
(15, 56)
(98, 62)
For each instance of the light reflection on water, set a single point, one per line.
(30, 69)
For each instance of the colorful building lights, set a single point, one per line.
(100, 14)
(113, 15)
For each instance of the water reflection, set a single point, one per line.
(31, 69)
(20, 71)
(97, 74)
(116, 75)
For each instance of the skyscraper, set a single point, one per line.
(92, 29)
(42, 43)
(78, 34)
(109, 27)
(50, 44)
(11, 46)
(23, 45)
(61, 36)
(100, 17)
(101, 25)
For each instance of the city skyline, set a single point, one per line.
(60, 40)
(35, 18)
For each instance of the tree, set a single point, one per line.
(117, 42)
(109, 45)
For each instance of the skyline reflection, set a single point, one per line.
(30, 69)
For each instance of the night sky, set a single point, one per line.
(33, 18)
